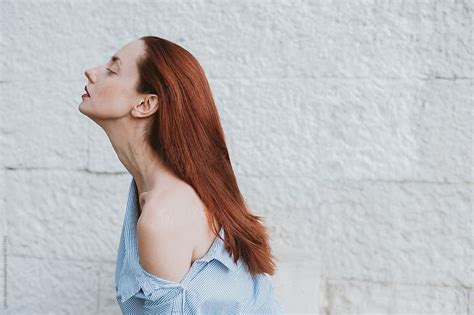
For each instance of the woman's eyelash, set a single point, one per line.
(109, 70)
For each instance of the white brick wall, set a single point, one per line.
(349, 125)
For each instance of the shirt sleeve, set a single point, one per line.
(163, 301)
(160, 296)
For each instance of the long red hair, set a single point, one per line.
(187, 135)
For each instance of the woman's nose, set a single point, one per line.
(88, 74)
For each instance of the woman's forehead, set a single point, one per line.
(130, 51)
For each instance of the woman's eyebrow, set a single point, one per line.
(115, 58)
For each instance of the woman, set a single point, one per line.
(188, 244)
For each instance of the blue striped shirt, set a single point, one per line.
(214, 284)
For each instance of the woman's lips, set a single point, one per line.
(85, 94)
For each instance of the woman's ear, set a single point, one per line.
(147, 107)
(153, 102)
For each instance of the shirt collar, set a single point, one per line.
(217, 251)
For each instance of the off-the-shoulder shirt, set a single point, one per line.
(214, 284)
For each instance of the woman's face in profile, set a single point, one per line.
(111, 86)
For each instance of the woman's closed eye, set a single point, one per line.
(110, 71)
